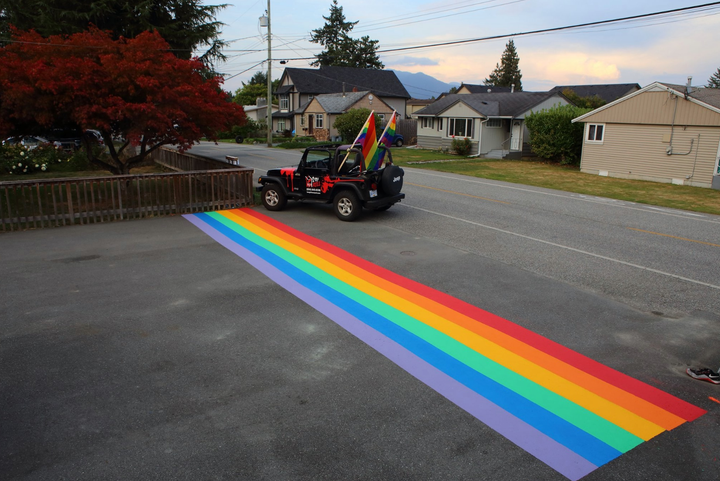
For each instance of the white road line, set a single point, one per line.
(581, 197)
(580, 251)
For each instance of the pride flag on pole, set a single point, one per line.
(386, 139)
(368, 140)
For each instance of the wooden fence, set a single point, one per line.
(184, 162)
(54, 202)
(408, 129)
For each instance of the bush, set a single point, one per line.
(553, 136)
(349, 124)
(461, 146)
(19, 160)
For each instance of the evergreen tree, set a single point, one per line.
(714, 80)
(341, 50)
(186, 25)
(507, 72)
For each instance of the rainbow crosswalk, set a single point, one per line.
(571, 412)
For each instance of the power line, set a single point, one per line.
(554, 29)
(544, 30)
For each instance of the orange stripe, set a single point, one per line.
(632, 403)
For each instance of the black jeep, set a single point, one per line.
(334, 173)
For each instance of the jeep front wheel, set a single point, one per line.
(273, 198)
(347, 206)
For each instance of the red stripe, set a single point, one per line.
(640, 389)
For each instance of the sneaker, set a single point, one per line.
(704, 375)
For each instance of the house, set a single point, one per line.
(413, 105)
(662, 133)
(317, 117)
(298, 86)
(494, 122)
(482, 89)
(607, 92)
(258, 112)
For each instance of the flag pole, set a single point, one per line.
(354, 142)
(383, 134)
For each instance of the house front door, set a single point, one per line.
(311, 124)
(515, 140)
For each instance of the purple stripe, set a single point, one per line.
(552, 453)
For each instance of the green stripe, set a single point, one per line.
(582, 418)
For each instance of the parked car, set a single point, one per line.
(334, 174)
(31, 142)
(398, 141)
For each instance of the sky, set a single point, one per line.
(667, 48)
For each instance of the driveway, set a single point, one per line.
(146, 350)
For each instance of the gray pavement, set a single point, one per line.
(144, 350)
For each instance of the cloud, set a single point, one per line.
(410, 61)
(567, 67)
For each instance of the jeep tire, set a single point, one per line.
(392, 180)
(347, 206)
(399, 143)
(273, 197)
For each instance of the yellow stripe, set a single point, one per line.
(618, 415)
(674, 237)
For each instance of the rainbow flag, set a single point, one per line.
(569, 411)
(368, 140)
(386, 139)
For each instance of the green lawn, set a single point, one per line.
(566, 178)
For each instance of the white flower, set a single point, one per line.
(36, 166)
(44, 168)
(22, 153)
(19, 164)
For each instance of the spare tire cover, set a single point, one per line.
(392, 180)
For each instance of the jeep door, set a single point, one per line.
(315, 171)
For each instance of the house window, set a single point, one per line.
(310, 97)
(318, 121)
(493, 123)
(426, 122)
(281, 125)
(595, 133)
(302, 120)
(439, 124)
(284, 102)
(460, 127)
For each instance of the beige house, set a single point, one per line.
(662, 133)
(494, 122)
(258, 112)
(317, 118)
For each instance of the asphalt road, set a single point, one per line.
(657, 260)
(145, 350)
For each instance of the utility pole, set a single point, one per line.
(269, 81)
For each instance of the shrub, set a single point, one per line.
(461, 146)
(349, 124)
(19, 160)
(553, 136)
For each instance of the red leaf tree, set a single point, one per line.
(130, 89)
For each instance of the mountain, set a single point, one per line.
(421, 86)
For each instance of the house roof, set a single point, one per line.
(339, 103)
(607, 92)
(328, 80)
(708, 98)
(482, 89)
(494, 104)
(703, 94)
